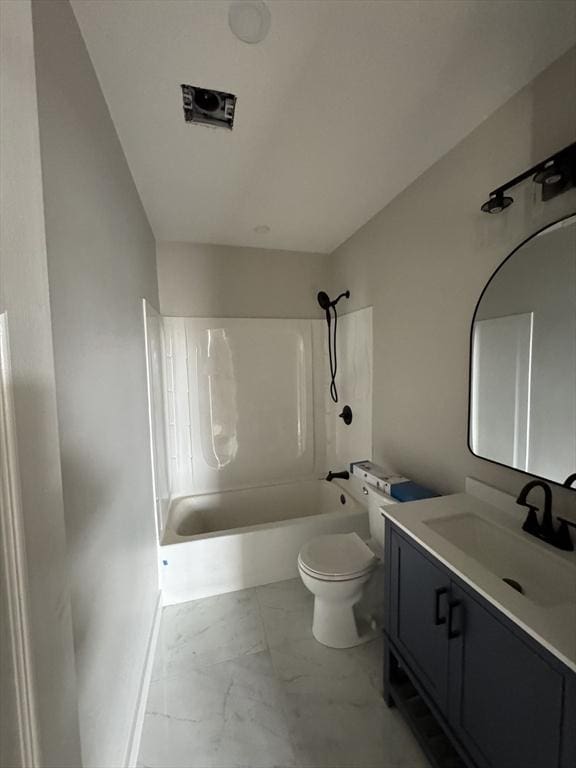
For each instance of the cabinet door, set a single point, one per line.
(417, 615)
(505, 699)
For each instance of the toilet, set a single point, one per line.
(341, 570)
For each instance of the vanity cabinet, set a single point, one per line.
(502, 700)
(506, 698)
(419, 610)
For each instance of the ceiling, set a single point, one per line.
(341, 107)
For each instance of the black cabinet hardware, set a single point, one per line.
(438, 593)
(453, 605)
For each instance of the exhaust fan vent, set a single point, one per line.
(207, 107)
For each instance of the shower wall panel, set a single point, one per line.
(240, 399)
(155, 355)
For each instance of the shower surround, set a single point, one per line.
(243, 429)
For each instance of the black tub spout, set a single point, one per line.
(345, 475)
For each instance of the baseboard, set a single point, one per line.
(138, 722)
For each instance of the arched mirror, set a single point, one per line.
(523, 358)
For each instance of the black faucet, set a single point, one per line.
(345, 475)
(544, 530)
(563, 538)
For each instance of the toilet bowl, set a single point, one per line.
(337, 568)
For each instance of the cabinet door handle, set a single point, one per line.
(452, 606)
(437, 595)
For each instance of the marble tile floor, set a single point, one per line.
(240, 682)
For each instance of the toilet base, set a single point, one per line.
(340, 604)
(336, 626)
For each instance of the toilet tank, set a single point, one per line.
(376, 499)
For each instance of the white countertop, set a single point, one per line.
(553, 625)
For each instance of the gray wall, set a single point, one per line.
(24, 296)
(423, 261)
(222, 281)
(101, 262)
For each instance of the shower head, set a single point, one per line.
(324, 299)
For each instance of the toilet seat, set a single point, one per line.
(336, 557)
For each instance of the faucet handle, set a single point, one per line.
(562, 538)
(531, 524)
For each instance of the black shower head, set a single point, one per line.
(324, 300)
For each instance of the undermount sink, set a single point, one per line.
(504, 553)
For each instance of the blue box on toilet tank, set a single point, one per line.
(409, 491)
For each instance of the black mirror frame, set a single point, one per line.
(471, 342)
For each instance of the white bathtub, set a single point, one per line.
(222, 542)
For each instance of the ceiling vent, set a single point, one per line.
(207, 107)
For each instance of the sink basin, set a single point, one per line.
(543, 579)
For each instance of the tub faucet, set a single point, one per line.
(345, 475)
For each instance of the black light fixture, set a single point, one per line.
(497, 202)
(555, 175)
(550, 174)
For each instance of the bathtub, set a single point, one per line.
(223, 542)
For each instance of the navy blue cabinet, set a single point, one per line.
(506, 698)
(419, 603)
(501, 699)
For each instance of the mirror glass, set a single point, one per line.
(523, 358)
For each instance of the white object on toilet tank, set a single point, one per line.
(376, 475)
(377, 499)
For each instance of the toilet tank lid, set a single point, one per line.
(337, 554)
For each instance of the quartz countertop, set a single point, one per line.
(553, 625)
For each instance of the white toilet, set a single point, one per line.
(337, 568)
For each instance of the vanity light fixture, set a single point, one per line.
(497, 202)
(555, 175)
(550, 174)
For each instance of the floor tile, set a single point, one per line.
(208, 631)
(286, 609)
(330, 732)
(240, 682)
(227, 715)
(308, 668)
